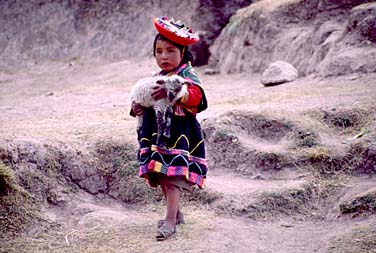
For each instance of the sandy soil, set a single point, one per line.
(79, 104)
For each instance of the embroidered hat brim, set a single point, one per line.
(179, 34)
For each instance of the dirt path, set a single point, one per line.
(81, 104)
(92, 225)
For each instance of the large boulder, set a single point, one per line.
(279, 72)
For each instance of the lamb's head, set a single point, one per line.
(175, 86)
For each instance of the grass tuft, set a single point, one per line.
(289, 202)
(361, 205)
(345, 120)
(305, 138)
(17, 207)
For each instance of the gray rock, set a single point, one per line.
(279, 72)
(362, 23)
(210, 71)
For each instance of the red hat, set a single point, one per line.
(175, 31)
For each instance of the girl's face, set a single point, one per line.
(167, 55)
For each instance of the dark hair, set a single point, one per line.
(187, 56)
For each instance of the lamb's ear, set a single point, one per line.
(161, 81)
(183, 81)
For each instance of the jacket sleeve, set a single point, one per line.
(193, 96)
(195, 99)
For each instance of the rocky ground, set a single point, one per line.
(291, 166)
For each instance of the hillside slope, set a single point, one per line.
(93, 31)
(323, 37)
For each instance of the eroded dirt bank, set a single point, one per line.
(291, 168)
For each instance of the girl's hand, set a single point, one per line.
(138, 109)
(159, 92)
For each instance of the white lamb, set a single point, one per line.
(141, 93)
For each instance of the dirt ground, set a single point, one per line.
(79, 104)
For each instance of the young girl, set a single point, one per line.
(182, 163)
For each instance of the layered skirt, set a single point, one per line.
(183, 156)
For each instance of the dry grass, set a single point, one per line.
(6, 180)
(322, 160)
(17, 207)
(290, 202)
(357, 159)
(342, 120)
(119, 166)
(123, 236)
(310, 200)
(293, 202)
(305, 138)
(201, 197)
(361, 239)
(364, 204)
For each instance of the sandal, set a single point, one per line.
(164, 233)
(179, 220)
(160, 223)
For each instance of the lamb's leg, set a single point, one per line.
(139, 124)
(167, 120)
(160, 123)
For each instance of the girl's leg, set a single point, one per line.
(179, 214)
(163, 186)
(173, 199)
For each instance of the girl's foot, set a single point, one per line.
(179, 220)
(164, 232)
